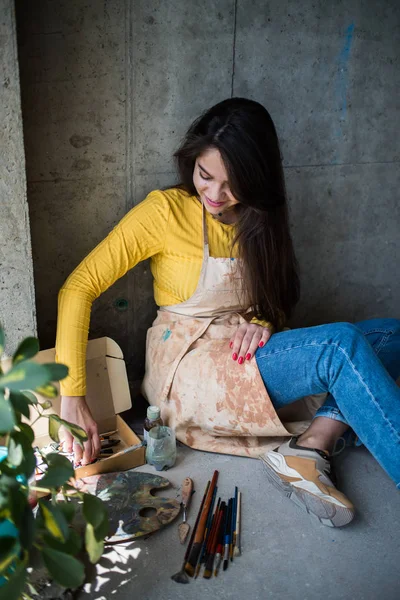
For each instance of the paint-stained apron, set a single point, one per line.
(211, 401)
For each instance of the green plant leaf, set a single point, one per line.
(54, 426)
(9, 549)
(32, 590)
(31, 397)
(71, 546)
(48, 391)
(12, 590)
(46, 404)
(96, 513)
(54, 520)
(59, 472)
(75, 430)
(27, 349)
(27, 431)
(18, 505)
(27, 528)
(7, 417)
(20, 403)
(94, 547)
(15, 454)
(7, 484)
(56, 371)
(24, 375)
(68, 508)
(65, 569)
(27, 465)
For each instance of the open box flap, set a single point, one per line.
(107, 384)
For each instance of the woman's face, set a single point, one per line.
(211, 182)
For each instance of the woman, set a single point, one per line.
(225, 278)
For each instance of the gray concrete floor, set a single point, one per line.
(284, 552)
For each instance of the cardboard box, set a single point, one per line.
(107, 395)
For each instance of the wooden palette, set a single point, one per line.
(129, 500)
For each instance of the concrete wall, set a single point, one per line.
(17, 301)
(110, 87)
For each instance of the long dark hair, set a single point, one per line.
(244, 133)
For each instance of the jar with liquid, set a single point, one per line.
(153, 419)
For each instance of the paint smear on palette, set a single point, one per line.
(167, 334)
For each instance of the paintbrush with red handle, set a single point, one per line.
(220, 539)
(191, 563)
(207, 533)
(208, 570)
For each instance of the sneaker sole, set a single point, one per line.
(327, 513)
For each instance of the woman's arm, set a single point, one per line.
(139, 235)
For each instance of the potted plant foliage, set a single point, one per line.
(40, 518)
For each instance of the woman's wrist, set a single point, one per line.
(72, 398)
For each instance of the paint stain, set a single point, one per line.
(343, 70)
(167, 334)
(81, 165)
(79, 141)
(342, 83)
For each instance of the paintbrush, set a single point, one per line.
(208, 570)
(220, 541)
(234, 522)
(233, 526)
(238, 550)
(191, 563)
(227, 535)
(181, 576)
(210, 520)
(128, 449)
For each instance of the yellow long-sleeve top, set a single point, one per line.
(166, 227)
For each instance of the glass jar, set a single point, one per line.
(153, 419)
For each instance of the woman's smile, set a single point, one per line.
(212, 203)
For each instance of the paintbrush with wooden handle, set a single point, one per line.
(191, 563)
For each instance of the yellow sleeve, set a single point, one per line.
(263, 324)
(139, 235)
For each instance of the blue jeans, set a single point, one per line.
(357, 364)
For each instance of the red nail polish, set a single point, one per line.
(231, 344)
(234, 356)
(248, 356)
(261, 344)
(240, 360)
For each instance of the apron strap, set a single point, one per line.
(206, 249)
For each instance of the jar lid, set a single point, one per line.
(153, 412)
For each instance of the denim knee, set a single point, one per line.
(346, 335)
(391, 325)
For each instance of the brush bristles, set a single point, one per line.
(189, 569)
(180, 577)
(207, 574)
(197, 571)
(225, 565)
(236, 551)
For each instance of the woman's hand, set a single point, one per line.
(75, 410)
(247, 339)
